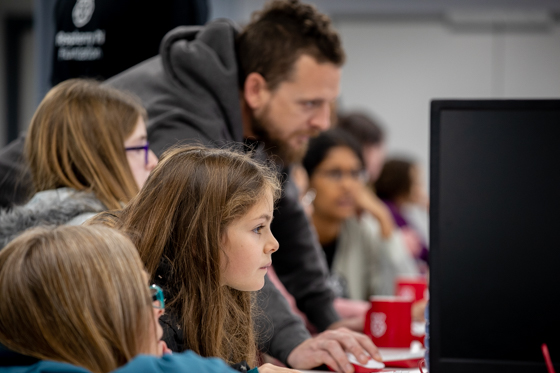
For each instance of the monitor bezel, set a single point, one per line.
(440, 364)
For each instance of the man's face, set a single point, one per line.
(297, 109)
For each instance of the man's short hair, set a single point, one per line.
(279, 34)
(363, 128)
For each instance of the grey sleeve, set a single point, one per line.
(278, 329)
(300, 262)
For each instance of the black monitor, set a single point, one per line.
(494, 235)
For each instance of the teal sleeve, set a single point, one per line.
(186, 361)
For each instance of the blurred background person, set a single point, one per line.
(362, 261)
(371, 137)
(400, 184)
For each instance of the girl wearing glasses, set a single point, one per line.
(87, 152)
(77, 299)
(362, 261)
(202, 227)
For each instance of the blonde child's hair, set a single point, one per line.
(76, 139)
(75, 294)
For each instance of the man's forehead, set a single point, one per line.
(309, 74)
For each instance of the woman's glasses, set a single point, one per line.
(337, 175)
(145, 148)
(157, 297)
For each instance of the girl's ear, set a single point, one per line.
(255, 91)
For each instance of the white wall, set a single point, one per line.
(395, 67)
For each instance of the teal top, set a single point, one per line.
(179, 362)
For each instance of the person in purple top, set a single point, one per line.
(399, 184)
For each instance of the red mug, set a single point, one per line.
(388, 321)
(412, 287)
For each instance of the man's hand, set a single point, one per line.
(330, 348)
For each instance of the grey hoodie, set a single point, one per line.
(191, 93)
(49, 207)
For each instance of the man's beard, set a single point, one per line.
(277, 148)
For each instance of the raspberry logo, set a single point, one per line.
(407, 292)
(378, 325)
(82, 12)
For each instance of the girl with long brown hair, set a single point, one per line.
(87, 152)
(77, 297)
(202, 226)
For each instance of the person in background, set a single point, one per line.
(77, 299)
(399, 184)
(362, 261)
(371, 137)
(87, 152)
(369, 134)
(202, 227)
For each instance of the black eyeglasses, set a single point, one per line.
(146, 149)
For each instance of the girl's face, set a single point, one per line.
(336, 180)
(141, 164)
(247, 247)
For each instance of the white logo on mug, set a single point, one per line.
(407, 292)
(378, 325)
(82, 12)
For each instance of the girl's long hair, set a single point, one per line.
(179, 218)
(77, 295)
(76, 139)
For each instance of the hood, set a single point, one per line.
(50, 207)
(203, 61)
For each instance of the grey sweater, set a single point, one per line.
(191, 93)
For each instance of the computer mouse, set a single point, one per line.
(370, 366)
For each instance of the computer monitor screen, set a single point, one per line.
(494, 235)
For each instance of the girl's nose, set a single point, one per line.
(273, 245)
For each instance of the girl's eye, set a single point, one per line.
(258, 229)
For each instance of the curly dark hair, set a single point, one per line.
(279, 34)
